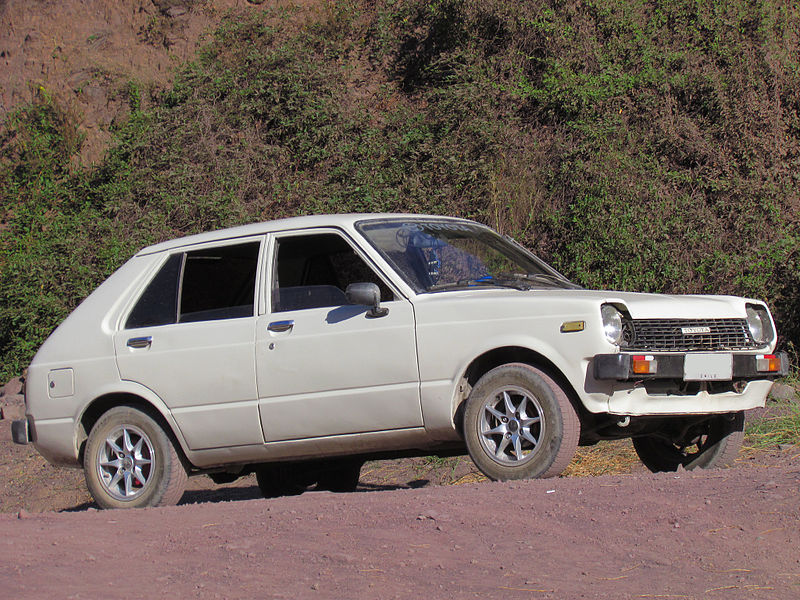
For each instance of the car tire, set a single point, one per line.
(340, 476)
(130, 462)
(716, 447)
(520, 424)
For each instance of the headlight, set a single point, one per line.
(612, 323)
(759, 324)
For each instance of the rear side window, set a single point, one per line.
(219, 283)
(203, 285)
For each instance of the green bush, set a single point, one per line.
(55, 243)
(638, 145)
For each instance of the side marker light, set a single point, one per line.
(571, 326)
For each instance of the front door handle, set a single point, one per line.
(280, 326)
(140, 342)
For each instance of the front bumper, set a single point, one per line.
(620, 367)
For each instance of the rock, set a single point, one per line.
(12, 400)
(781, 391)
(77, 79)
(12, 388)
(13, 412)
(95, 95)
(31, 38)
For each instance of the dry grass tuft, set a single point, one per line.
(780, 425)
(604, 458)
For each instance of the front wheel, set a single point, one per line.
(519, 424)
(712, 444)
(130, 462)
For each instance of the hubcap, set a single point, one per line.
(125, 462)
(511, 426)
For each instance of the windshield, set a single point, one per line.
(436, 255)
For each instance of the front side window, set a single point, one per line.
(313, 271)
(202, 285)
(436, 255)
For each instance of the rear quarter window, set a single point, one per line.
(158, 304)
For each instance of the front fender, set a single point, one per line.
(447, 349)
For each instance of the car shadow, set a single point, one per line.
(221, 494)
(233, 494)
(83, 506)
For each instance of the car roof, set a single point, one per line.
(344, 221)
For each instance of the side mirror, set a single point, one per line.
(367, 294)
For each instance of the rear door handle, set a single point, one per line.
(140, 342)
(280, 326)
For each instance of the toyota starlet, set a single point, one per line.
(297, 349)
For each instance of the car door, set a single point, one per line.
(190, 336)
(325, 367)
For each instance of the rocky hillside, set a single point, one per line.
(84, 53)
(637, 145)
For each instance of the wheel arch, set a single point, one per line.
(103, 403)
(490, 359)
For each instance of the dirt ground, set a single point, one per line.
(732, 533)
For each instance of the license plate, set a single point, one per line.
(708, 367)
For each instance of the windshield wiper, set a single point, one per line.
(548, 278)
(468, 283)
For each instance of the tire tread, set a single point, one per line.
(570, 426)
(168, 491)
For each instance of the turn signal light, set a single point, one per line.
(644, 365)
(767, 363)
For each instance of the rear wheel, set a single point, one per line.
(712, 444)
(340, 475)
(130, 462)
(519, 424)
(291, 479)
(282, 479)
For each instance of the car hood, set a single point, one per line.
(639, 305)
(666, 306)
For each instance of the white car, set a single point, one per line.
(300, 348)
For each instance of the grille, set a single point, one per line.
(665, 335)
